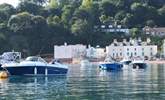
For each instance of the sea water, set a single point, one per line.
(88, 83)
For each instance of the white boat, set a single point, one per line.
(138, 64)
(8, 57)
(126, 61)
(35, 66)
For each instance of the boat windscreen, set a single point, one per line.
(35, 59)
(32, 59)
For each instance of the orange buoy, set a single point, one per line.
(3, 74)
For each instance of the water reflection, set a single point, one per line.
(33, 87)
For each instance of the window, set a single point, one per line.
(135, 49)
(127, 49)
(151, 54)
(135, 54)
(142, 49)
(127, 53)
(120, 54)
(131, 54)
(151, 49)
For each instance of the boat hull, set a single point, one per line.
(139, 66)
(111, 66)
(35, 70)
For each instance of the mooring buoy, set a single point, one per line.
(3, 74)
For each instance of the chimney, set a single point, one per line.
(124, 40)
(139, 39)
(65, 44)
(114, 40)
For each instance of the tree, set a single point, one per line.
(107, 8)
(53, 4)
(81, 14)
(82, 30)
(87, 4)
(67, 14)
(150, 23)
(29, 6)
(120, 15)
(161, 12)
(38, 39)
(106, 19)
(6, 11)
(20, 22)
(135, 32)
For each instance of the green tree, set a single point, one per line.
(106, 19)
(6, 11)
(81, 29)
(135, 32)
(53, 4)
(29, 6)
(20, 22)
(67, 15)
(107, 8)
(87, 4)
(161, 12)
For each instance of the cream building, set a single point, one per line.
(69, 51)
(132, 48)
(97, 52)
(164, 48)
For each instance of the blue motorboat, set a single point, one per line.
(110, 65)
(35, 66)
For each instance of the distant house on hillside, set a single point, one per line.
(160, 31)
(112, 28)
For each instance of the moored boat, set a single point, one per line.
(35, 66)
(139, 64)
(110, 65)
(126, 61)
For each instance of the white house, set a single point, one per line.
(69, 51)
(164, 48)
(97, 52)
(133, 48)
(159, 31)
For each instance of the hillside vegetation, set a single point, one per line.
(35, 26)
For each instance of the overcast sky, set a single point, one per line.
(12, 2)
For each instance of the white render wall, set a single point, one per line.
(68, 51)
(115, 51)
(92, 52)
(164, 48)
(131, 51)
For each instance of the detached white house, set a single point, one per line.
(69, 51)
(97, 52)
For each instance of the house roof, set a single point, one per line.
(159, 29)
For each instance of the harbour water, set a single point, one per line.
(88, 83)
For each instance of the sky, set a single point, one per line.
(12, 2)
